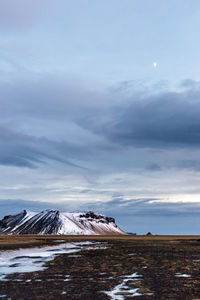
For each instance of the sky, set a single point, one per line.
(99, 110)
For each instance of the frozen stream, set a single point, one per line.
(33, 259)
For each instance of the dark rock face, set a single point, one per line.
(57, 222)
(49, 221)
(21, 224)
(91, 215)
(12, 221)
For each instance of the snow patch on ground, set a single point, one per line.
(33, 259)
(122, 290)
(182, 275)
(63, 293)
(196, 260)
(67, 278)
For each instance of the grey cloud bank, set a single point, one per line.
(50, 119)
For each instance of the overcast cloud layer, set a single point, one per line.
(87, 122)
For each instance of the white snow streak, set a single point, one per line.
(122, 290)
(182, 275)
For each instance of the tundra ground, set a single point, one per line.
(128, 267)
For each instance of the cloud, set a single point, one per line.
(56, 118)
(144, 207)
(164, 120)
(9, 207)
(21, 14)
(153, 167)
(41, 119)
(190, 84)
(21, 150)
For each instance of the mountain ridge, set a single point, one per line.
(59, 223)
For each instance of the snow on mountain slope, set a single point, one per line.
(58, 222)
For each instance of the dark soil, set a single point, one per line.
(86, 277)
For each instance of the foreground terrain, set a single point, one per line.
(124, 267)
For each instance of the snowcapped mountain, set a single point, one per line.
(58, 222)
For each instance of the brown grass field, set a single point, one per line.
(156, 258)
(7, 241)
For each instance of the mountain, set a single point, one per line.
(58, 222)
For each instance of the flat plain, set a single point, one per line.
(111, 267)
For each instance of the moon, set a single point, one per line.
(155, 64)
